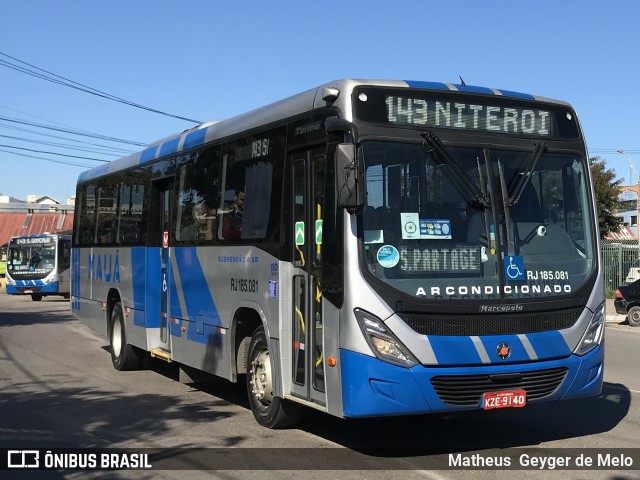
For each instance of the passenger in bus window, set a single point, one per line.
(202, 226)
(232, 223)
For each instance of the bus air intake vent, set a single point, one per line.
(502, 324)
(467, 390)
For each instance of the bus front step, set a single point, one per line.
(161, 354)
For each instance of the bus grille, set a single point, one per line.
(467, 390)
(503, 324)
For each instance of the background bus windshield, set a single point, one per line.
(474, 224)
(27, 260)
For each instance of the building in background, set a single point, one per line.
(39, 214)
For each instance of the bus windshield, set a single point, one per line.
(476, 223)
(28, 261)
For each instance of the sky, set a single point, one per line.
(210, 60)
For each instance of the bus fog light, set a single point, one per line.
(594, 333)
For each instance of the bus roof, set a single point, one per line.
(288, 107)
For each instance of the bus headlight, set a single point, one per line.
(383, 342)
(594, 334)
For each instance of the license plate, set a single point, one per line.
(504, 399)
(27, 291)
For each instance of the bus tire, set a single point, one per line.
(633, 316)
(123, 355)
(269, 411)
(36, 297)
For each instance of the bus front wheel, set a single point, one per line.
(123, 355)
(269, 411)
(36, 297)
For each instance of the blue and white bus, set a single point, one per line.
(364, 248)
(39, 265)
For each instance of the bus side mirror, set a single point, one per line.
(349, 177)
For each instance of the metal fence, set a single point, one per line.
(621, 261)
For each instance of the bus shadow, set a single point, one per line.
(473, 430)
(77, 416)
(15, 318)
(221, 388)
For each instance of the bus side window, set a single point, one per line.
(64, 260)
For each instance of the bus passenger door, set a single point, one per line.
(306, 349)
(161, 210)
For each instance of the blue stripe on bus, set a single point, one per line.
(138, 255)
(169, 147)
(153, 287)
(148, 154)
(468, 88)
(195, 138)
(175, 311)
(29, 283)
(197, 297)
(509, 93)
(549, 345)
(75, 279)
(474, 89)
(430, 85)
(454, 350)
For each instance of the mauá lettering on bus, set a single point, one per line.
(105, 268)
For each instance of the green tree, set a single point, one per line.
(607, 192)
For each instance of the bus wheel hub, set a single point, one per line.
(261, 378)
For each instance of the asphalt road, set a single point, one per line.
(58, 389)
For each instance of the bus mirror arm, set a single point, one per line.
(349, 178)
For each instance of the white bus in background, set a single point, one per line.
(38, 265)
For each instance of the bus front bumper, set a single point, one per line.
(44, 289)
(371, 387)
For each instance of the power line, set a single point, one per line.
(49, 159)
(62, 145)
(53, 153)
(72, 132)
(106, 147)
(49, 77)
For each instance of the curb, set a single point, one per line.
(615, 318)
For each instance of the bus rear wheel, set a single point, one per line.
(36, 297)
(269, 411)
(123, 355)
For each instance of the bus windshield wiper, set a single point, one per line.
(529, 166)
(458, 177)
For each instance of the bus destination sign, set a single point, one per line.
(32, 240)
(460, 111)
(468, 115)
